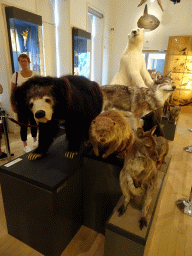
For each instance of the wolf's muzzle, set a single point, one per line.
(40, 114)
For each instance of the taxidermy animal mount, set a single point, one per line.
(147, 21)
(159, 2)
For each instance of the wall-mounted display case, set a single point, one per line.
(25, 36)
(81, 41)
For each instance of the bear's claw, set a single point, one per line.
(34, 156)
(70, 154)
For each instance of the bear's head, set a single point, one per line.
(41, 104)
(136, 36)
(42, 95)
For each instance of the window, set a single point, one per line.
(155, 59)
(95, 27)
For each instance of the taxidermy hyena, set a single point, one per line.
(138, 178)
(138, 101)
(110, 133)
(132, 70)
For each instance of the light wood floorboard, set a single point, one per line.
(171, 230)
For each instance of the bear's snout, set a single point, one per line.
(134, 32)
(40, 114)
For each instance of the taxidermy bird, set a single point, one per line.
(147, 21)
(159, 2)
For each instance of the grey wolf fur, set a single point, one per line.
(138, 101)
(138, 178)
(132, 70)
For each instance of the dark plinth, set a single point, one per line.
(43, 199)
(168, 128)
(101, 189)
(123, 236)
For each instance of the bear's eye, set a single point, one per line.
(47, 100)
(30, 105)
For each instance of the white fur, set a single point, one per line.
(45, 104)
(132, 70)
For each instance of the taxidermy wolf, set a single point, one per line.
(138, 101)
(138, 178)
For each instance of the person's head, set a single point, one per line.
(24, 60)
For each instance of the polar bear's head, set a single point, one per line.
(136, 36)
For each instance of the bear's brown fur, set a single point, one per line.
(110, 132)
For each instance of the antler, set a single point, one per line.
(159, 2)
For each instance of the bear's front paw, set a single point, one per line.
(34, 156)
(70, 154)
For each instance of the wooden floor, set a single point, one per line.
(171, 231)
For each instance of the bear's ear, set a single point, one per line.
(63, 90)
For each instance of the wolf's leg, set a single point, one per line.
(146, 77)
(125, 191)
(147, 201)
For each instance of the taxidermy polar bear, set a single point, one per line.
(132, 70)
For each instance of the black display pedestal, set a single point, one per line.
(43, 199)
(46, 201)
(168, 128)
(101, 189)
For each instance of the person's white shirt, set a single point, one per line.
(21, 79)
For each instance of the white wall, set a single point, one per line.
(175, 20)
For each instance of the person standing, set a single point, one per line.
(18, 79)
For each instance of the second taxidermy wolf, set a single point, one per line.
(138, 178)
(138, 101)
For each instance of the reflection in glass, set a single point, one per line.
(25, 39)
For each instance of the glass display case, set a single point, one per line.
(81, 41)
(25, 36)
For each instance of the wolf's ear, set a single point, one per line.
(140, 133)
(169, 75)
(153, 129)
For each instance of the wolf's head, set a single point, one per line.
(136, 36)
(166, 86)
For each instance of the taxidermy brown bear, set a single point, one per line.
(74, 100)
